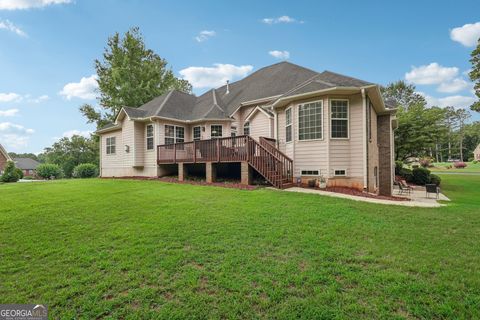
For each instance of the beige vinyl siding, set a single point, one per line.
(373, 152)
(261, 125)
(139, 147)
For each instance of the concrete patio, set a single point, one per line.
(417, 197)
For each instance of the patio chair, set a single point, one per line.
(432, 188)
(403, 187)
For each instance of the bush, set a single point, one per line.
(435, 179)
(425, 162)
(421, 176)
(459, 164)
(49, 170)
(406, 174)
(20, 173)
(10, 174)
(475, 161)
(398, 167)
(85, 170)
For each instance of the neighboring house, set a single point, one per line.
(476, 153)
(284, 121)
(27, 165)
(4, 157)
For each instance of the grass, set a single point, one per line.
(441, 166)
(147, 249)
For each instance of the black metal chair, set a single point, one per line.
(432, 188)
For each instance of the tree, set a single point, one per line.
(10, 174)
(129, 75)
(462, 117)
(14, 155)
(403, 94)
(70, 152)
(475, 75)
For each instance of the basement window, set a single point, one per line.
(340, 172)
(310, 172)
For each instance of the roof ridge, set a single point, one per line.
(342, 75)
(163, 102)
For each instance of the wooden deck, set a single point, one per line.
(262, 155)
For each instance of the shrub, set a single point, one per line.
(459, 164)
(85, 170)
(475, 161)
(48, 170)
(398, 167)
(19, 172)
(406, 174)
(415, 166)
(425, 162)
(421, 176)
(435, 179)
(10, 174)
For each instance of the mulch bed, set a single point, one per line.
(355, 192)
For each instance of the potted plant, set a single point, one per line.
(312, 183)
(322, 182)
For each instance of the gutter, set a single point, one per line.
(365, 139)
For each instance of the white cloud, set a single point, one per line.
(209, 77)
(8, 112)
(85, 89)
(8, 25)
(10, 97)
(279, 54)
(14, 135)
(281, 19)
(71, 133)
(468, 34)
(205, 35)
(456, 85)
(39, 99)
(456, 101)
(431, 74)
(28, 4)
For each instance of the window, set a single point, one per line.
(340, 172)
(310, 172)
(339, 109)
(216, 131)
(111, 145)
(197, 133)
(174, 134)
(150, 137)
(310, 121)
(288, 125)
(233, 132)
(246, 128)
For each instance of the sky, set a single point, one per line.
(48, 48)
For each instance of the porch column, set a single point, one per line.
(182, 171)
(211, 171)
(246, 173)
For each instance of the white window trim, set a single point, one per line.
(298, 122)
(174, 132)
(340, 175)
(348, 119)
(291, 125)
(146, 137)
(216, 124)
(106, 146)
(193, 133)
(249, 128)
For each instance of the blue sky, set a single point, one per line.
(47, 49)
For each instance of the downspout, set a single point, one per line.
(275, 127)
(365, 139)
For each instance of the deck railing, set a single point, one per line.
(270, 162)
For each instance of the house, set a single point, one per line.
(27, 165)
(476, 153)
(284, 122)
(4, 157)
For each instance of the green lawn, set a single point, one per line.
(147, 249)
(441, 166)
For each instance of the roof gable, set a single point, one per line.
(5, 153)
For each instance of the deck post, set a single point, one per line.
(218, 150)
(182, 171)
(211, 172)
(194, 151)
(174, 153)
(246, 173)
